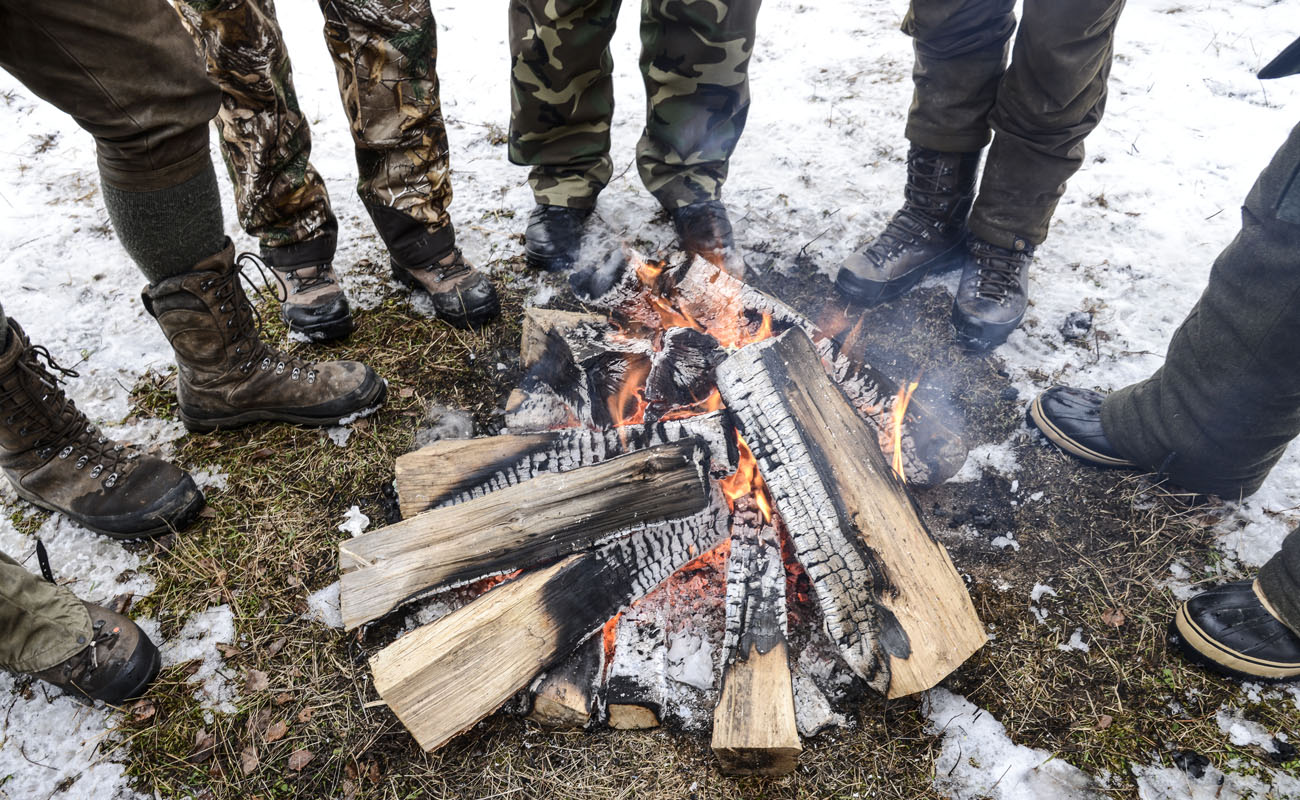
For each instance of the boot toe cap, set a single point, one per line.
(1228, 630)
(1070, 418)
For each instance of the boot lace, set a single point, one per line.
(928, 197)
(245, 323)
(323, 276)
(38, 405)
(999, 270)
(453, 269)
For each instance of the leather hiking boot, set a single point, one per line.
(118, 663)
(1232, 629)
(461, 295)
(924, 236)
(57, 460)
(553, 238)
(314, 304)
(993, 293)
(1071, 419)
(704, 230)
(228, 376)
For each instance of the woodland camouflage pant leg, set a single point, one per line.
(264, 138)
(562, 96)
(695, 61)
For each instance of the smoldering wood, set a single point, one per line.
(520, 526)
(636, 682)
(567, 696)
(681, 371)
(891, 599)
(445, 473)
(447, 675)
(539, 322)
(754, 727)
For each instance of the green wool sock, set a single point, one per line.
(166, 232)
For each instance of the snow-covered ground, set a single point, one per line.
(1187, 128)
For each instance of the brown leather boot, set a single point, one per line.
(461, 295)
(314, 304)
(56, 459)
(118, 663)
(228, 376)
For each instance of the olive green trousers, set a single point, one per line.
(41, 624)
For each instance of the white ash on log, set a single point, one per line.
(889, 594)
(538, 322)
(567, 696)
(444, 677)
(445, 473)
(636, 682)
(754, 727)
(520, 526)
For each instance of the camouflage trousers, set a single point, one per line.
(695, 61)
(385, 54)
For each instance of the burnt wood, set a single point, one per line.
(891, 599)
(567, 696)
(636, 683)
(447, 675)
(520, 526)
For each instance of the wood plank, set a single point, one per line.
(891, 598)
(520, 526)
(447, 675)
(538, 322)
(445, 473)
(754, 728)
(567, 696)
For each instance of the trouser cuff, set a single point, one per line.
(1000, 237)
(945, 142)
(1279, 581)
(156, 179)
(409, 242)
(319, 250)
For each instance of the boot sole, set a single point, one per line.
(872, 293)
(1197, 646)
(368, 403)
(328, 331)
(472, 316)
(1039, 419)
(980, 337)
(171, 524)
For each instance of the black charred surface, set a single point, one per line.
(681, 372)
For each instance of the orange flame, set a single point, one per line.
(706, 406)
(900, 411)
(746, 480)
(609, 634)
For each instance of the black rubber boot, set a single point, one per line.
(993, 294)
(118, 663)
(553, 238)
(57, 460)
(1071, 419)
(704, 230)
(924, 236)
(1231, 630)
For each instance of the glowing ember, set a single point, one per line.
(900, 411)
(746, 481)
(628, 405)
(608, 633)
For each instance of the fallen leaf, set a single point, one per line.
(208, 512)
(256, 680)
(305, 714)
(282, 698)
(373, 772)
(121, 604)
(248, 760)
(406, 391)
(143, 710)
(1104, 721)
(229, 650)
(257, 721)
(204, 744)
(1113, 617)
(262, 453)
(277, 731)
(277, 645)
(300, 758)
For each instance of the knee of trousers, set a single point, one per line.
(954, 29)
(161, 144)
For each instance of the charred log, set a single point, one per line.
(636, 683)
(567, 696)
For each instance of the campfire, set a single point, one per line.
(701, 493)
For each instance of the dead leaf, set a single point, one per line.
(143, 710)
(277, 731)
(277, 645)
(121, 604)
(248, 760)
(256, 680)
(1104, 721)
(204, 744)
(257, 721)
(305, 714)
(229, 650)
(299, 759)
(1113, 617)
(262, 453)
(282, 698)
(373, 772)
(406, 391)
(208, 512)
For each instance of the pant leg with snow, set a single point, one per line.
(1221, 410)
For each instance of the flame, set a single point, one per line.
(609, 635)
(628, 405)
(647, 272)
(900, 411)
(746, 480)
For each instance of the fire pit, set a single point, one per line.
(698, 516)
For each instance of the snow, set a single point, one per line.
(979, 760)
(323, 606)
(1170, 783)
(354, 522)
(197, 641)
(1243, 732)
(339, 435)
(1076, 642)
(1186, 130)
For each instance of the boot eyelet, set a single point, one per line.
(110, 481)
(43, 453)
(65, 452)
(99, 468)
(81, 462)
(266, 364)
(294, 374)
(22, 431)
(311, 377)
(279, 368)
(204, 286)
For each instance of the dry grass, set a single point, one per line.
(1103, 541)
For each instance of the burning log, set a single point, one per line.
(754, 729)
(520, 526)
(455, 471)
(540, 322)
(681, 373)
(636, 684)
(890, 596)
(566, 697)
(447, 675)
